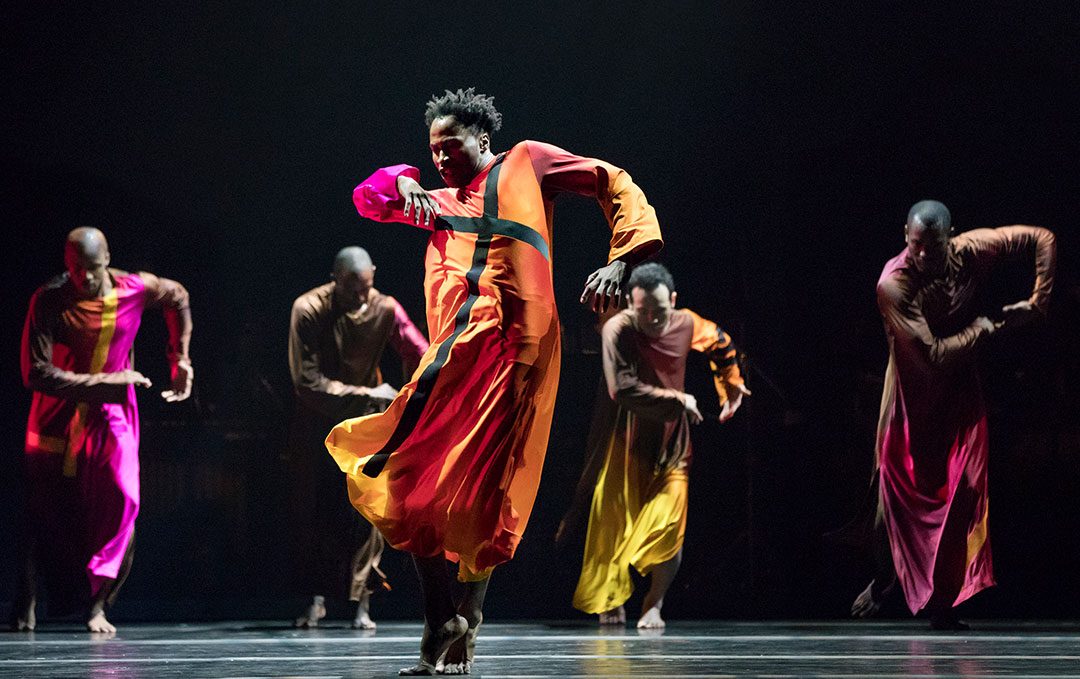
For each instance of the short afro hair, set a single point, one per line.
(474, 111)
(650, 276)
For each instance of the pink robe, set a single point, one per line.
(69, 346)
(932, 433)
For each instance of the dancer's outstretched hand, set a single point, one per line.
(604, 286)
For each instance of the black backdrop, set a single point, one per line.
(781, 145)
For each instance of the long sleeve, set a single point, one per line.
(1030, 242)
(717, 346)
(41, 375)
(624, 385)
(913, 342)
(635, 231)
(377, 196)
(407, 341)
(316, 390)
(174, 301)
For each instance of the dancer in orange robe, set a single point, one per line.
(451, 468)
(932, 431)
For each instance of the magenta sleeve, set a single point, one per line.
(377, 196)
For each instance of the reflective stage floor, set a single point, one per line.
(526, 650)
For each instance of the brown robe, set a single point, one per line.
(330, 353)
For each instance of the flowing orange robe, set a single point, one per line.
(452, 466)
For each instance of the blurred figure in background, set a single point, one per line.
(337, 336)
(82, 438)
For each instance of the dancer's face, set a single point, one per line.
(928, 247)
(352, 287)
(457, 151)
(653, 309)
(88, 269)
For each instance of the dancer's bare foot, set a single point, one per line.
(97, 623)
(616, 616)
(870, 601)
(459, 657)
(866, 605)
(363, 617)
(315, 612)
(26, 618)
(651, 619)
(434, 644)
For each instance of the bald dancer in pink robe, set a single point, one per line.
(82, 438)
(932, 432)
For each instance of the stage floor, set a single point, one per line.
(528, 650)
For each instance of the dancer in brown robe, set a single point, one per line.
(336, 339)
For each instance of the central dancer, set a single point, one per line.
(450, 470)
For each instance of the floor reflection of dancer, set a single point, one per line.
(932, 432)
(82, 439)
(337, 336)
(639, 447)
(451, 469)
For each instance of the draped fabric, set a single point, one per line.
(641, 456)
(932, 433)
(332, 351)
(70, 346)
(453, 465)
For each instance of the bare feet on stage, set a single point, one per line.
(616, 616)
(24, 618)
(661, 576)
(651, 619)
(363, 613)
(459, 657)
(315, 612)
(869, 602)
(434, 644)
(98, 623)
(363, 621)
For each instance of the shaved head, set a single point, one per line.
(927, 232)
(931, 214)
(86, 258)
(87, 240)
(354, 276)
(353, 259)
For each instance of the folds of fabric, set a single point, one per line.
(639, 496)
(98, 441)
(932, 433)
(453, 465)
(637, 518)
(366, 574)
(109, 480)
(934, 495)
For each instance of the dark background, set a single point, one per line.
(781, 145)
